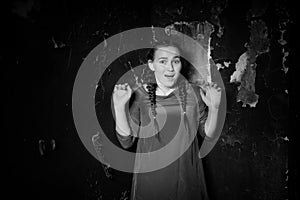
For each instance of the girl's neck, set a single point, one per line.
(162, 90)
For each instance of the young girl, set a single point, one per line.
(167, 112)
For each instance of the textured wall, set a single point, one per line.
(250, 43)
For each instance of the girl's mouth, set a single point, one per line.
(169, 75)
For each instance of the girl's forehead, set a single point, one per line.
(167, 51)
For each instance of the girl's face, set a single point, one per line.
(166, 65)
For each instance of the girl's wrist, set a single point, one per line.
(213, 109)
(119, 108)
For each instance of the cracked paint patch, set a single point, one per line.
(231, 140)
(125, 195)
(216, 10)
(282, 41)
(56, 44)
(240, 68)
(223, 65)
(97, 143)
(284, 67)
(245, 75)
(246, 66)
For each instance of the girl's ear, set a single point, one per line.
(150, 64)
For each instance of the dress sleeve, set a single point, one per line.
(133, 117)
(203, 113)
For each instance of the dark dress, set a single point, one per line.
(174, 152)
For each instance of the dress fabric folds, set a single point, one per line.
(176, 148)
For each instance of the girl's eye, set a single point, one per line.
(163, 61)
(176, 61)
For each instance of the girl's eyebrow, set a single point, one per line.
(167, 57)
(163, 58)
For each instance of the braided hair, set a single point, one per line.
(151, 85)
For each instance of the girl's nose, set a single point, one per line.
(170, 67)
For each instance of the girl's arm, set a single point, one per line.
(211, 123)
(125, 130)
(211, 95)
(122, 126)
(127, 125)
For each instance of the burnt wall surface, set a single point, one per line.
(252, 46)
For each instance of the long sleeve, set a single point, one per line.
(133, 117)
(203, 113)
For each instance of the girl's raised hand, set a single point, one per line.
(211, 95)
(121, 95)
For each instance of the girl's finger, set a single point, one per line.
(129, 88)
(203, 89)
(202, 93)
(126, 86)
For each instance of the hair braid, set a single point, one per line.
(152, 98)
(183, 101)
(182, 95)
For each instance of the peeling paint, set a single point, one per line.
(240, 67)
(216, 11)
(226, 64)
(284, 67)
(219, 66)
(153, 34)
(42, 147)
(281, 40)
(125, 195)
(232, 140)
(246, 66)
(56, 45)
(97, 143)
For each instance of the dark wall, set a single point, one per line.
(46, 44)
